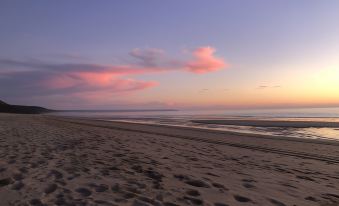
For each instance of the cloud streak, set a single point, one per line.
(267, 87)
(40, 78)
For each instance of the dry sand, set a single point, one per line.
(49, 160)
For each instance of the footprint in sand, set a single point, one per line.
(219, 186)
(276, 202)
(99, 188)
(242, 198)
(310, 198)
(17, 185)
(56, 174)
(220, 204)
(116, 188)
(23, 170)
(5, 182)
(192, 182)
(154, 175)
(50, 188)
(248, 185)
(35, 202)
(133, 189)
(305, 178)
(2, 169)
(194, 201)
(197, 183)
(103, 202)
(83, 191)
(18, 176)
(169, 204)
(194, 193)
(137, 202)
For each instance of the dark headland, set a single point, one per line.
(20, 109)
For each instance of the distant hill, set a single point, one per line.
(19, 109)
(3, 103)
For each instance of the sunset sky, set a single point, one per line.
(170, 54)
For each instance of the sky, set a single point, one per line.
(150, 54)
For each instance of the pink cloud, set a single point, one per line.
(86, 81)
(205, 61)
(41, 78)
(61, 81)
(95, 79)
(131, 85)
(104, 95)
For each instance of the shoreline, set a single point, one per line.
(55, 160)
(286, 129)
(210, 130)
(157, 129)
(271, 123)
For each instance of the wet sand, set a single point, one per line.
(48, 160)
(269, 123)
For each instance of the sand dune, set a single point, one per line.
(48, 160)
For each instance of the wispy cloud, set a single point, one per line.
(262, 87)
(268, 87)
(73, 56)
(148, 57)
(202, 91)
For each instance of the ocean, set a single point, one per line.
(183, 118)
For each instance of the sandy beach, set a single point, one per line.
(48, 160)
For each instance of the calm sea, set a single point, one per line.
(183, 118)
